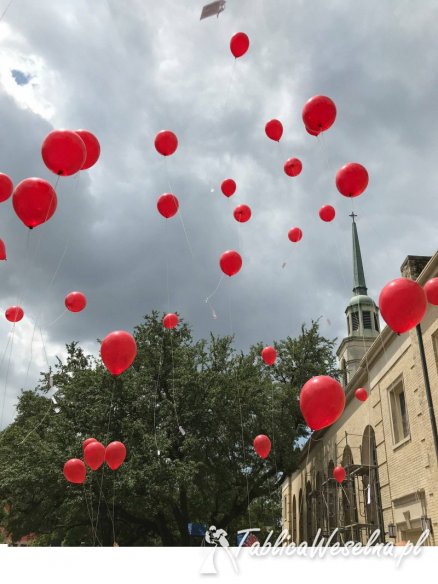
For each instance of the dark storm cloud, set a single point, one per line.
(128, 71)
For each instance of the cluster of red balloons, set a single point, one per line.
(322, 401)
(262, 445)
(118, 351)
(95, 454)
(66, 152)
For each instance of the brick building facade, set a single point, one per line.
(386, 444)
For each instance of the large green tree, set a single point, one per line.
(187, 412)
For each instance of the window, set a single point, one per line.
(376, 322)
(366, 315)
(355, 320)
(349, 326)
(399, 412)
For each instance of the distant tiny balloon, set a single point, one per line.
(63, 152)
(92, 148)
(274, 130)
(295, 234)
(339, 474)
(327, 213)
(361, 394)
(230, 262)
(269, 355)
(14, 313)
(293, 167)
(167, 205)
(2, 250)
(239, 44)
(75, 301)
(228, 187)
(170, 321)
(431, 289)
(242, 213)
(6, 187)
(262, 445)
(166, 142)
(75, 471)
(319, 113)
(352, 179)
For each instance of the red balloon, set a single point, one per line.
(274, 130)
(242, 213)
(75, 301)
(403, 304)
(269, 355)
(431, 289)
(230, 262)
(239, 44)
(94, 454)
(293, 167)
(295, 234)
(2, 250)
(322, 401)
(166, 142)
(167, 205)
(339, 474)
(170, 321)
(118, 351)
(115, 455)
(228, 187)
(34, 201)
(361, 394)
(6, 187)
(262, 445)
(327, 213)
(352, 179)
(312, 132)
(88, 441)
(92, 148)
(14, 313)
(74, 471)
(319, 113)
(63, 152)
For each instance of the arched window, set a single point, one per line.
(301, 513)
(349, 502)
(319, 523)
(331, 500)
(309, 514)
(294, 520)
(370, 482)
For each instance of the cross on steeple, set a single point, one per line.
(353, 216)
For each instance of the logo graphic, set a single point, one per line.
(218, 538)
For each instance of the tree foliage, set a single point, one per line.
(187, 412)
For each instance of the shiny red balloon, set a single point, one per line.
(293, 167)
(361, 394)
(6, 187)
(230, 262)
(312, 132)
(262, 445)
(166, 142)
(14, 313)
(34, 201)
(63, 152)
(319, 113)
(269, 355)
(322, 401)
(94, 455)
(2, 250)
(295, 234)
(167, 205)
(228, 187)
(170, 321)
(75, 471)
(118, 351)
(115, 455)
(239, 44)
(431, 289)
(402, 304)
(352, 179)
(242, 213)
(339, 474)
(274, 130)
(92, 148)
(75, 301)
(88, 441)
(327, 213)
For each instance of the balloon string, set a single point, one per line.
(160, 362)
(46, 326)
(6, 9)
(173, 382)
(7, 374)
(241, 417)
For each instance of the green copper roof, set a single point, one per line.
(360, 287)
(361, 299)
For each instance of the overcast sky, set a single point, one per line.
(126, 70)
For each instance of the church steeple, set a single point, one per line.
(359, 275)
(362, 316)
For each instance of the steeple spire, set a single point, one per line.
(360, 286)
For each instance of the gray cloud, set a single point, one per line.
(127, 71)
